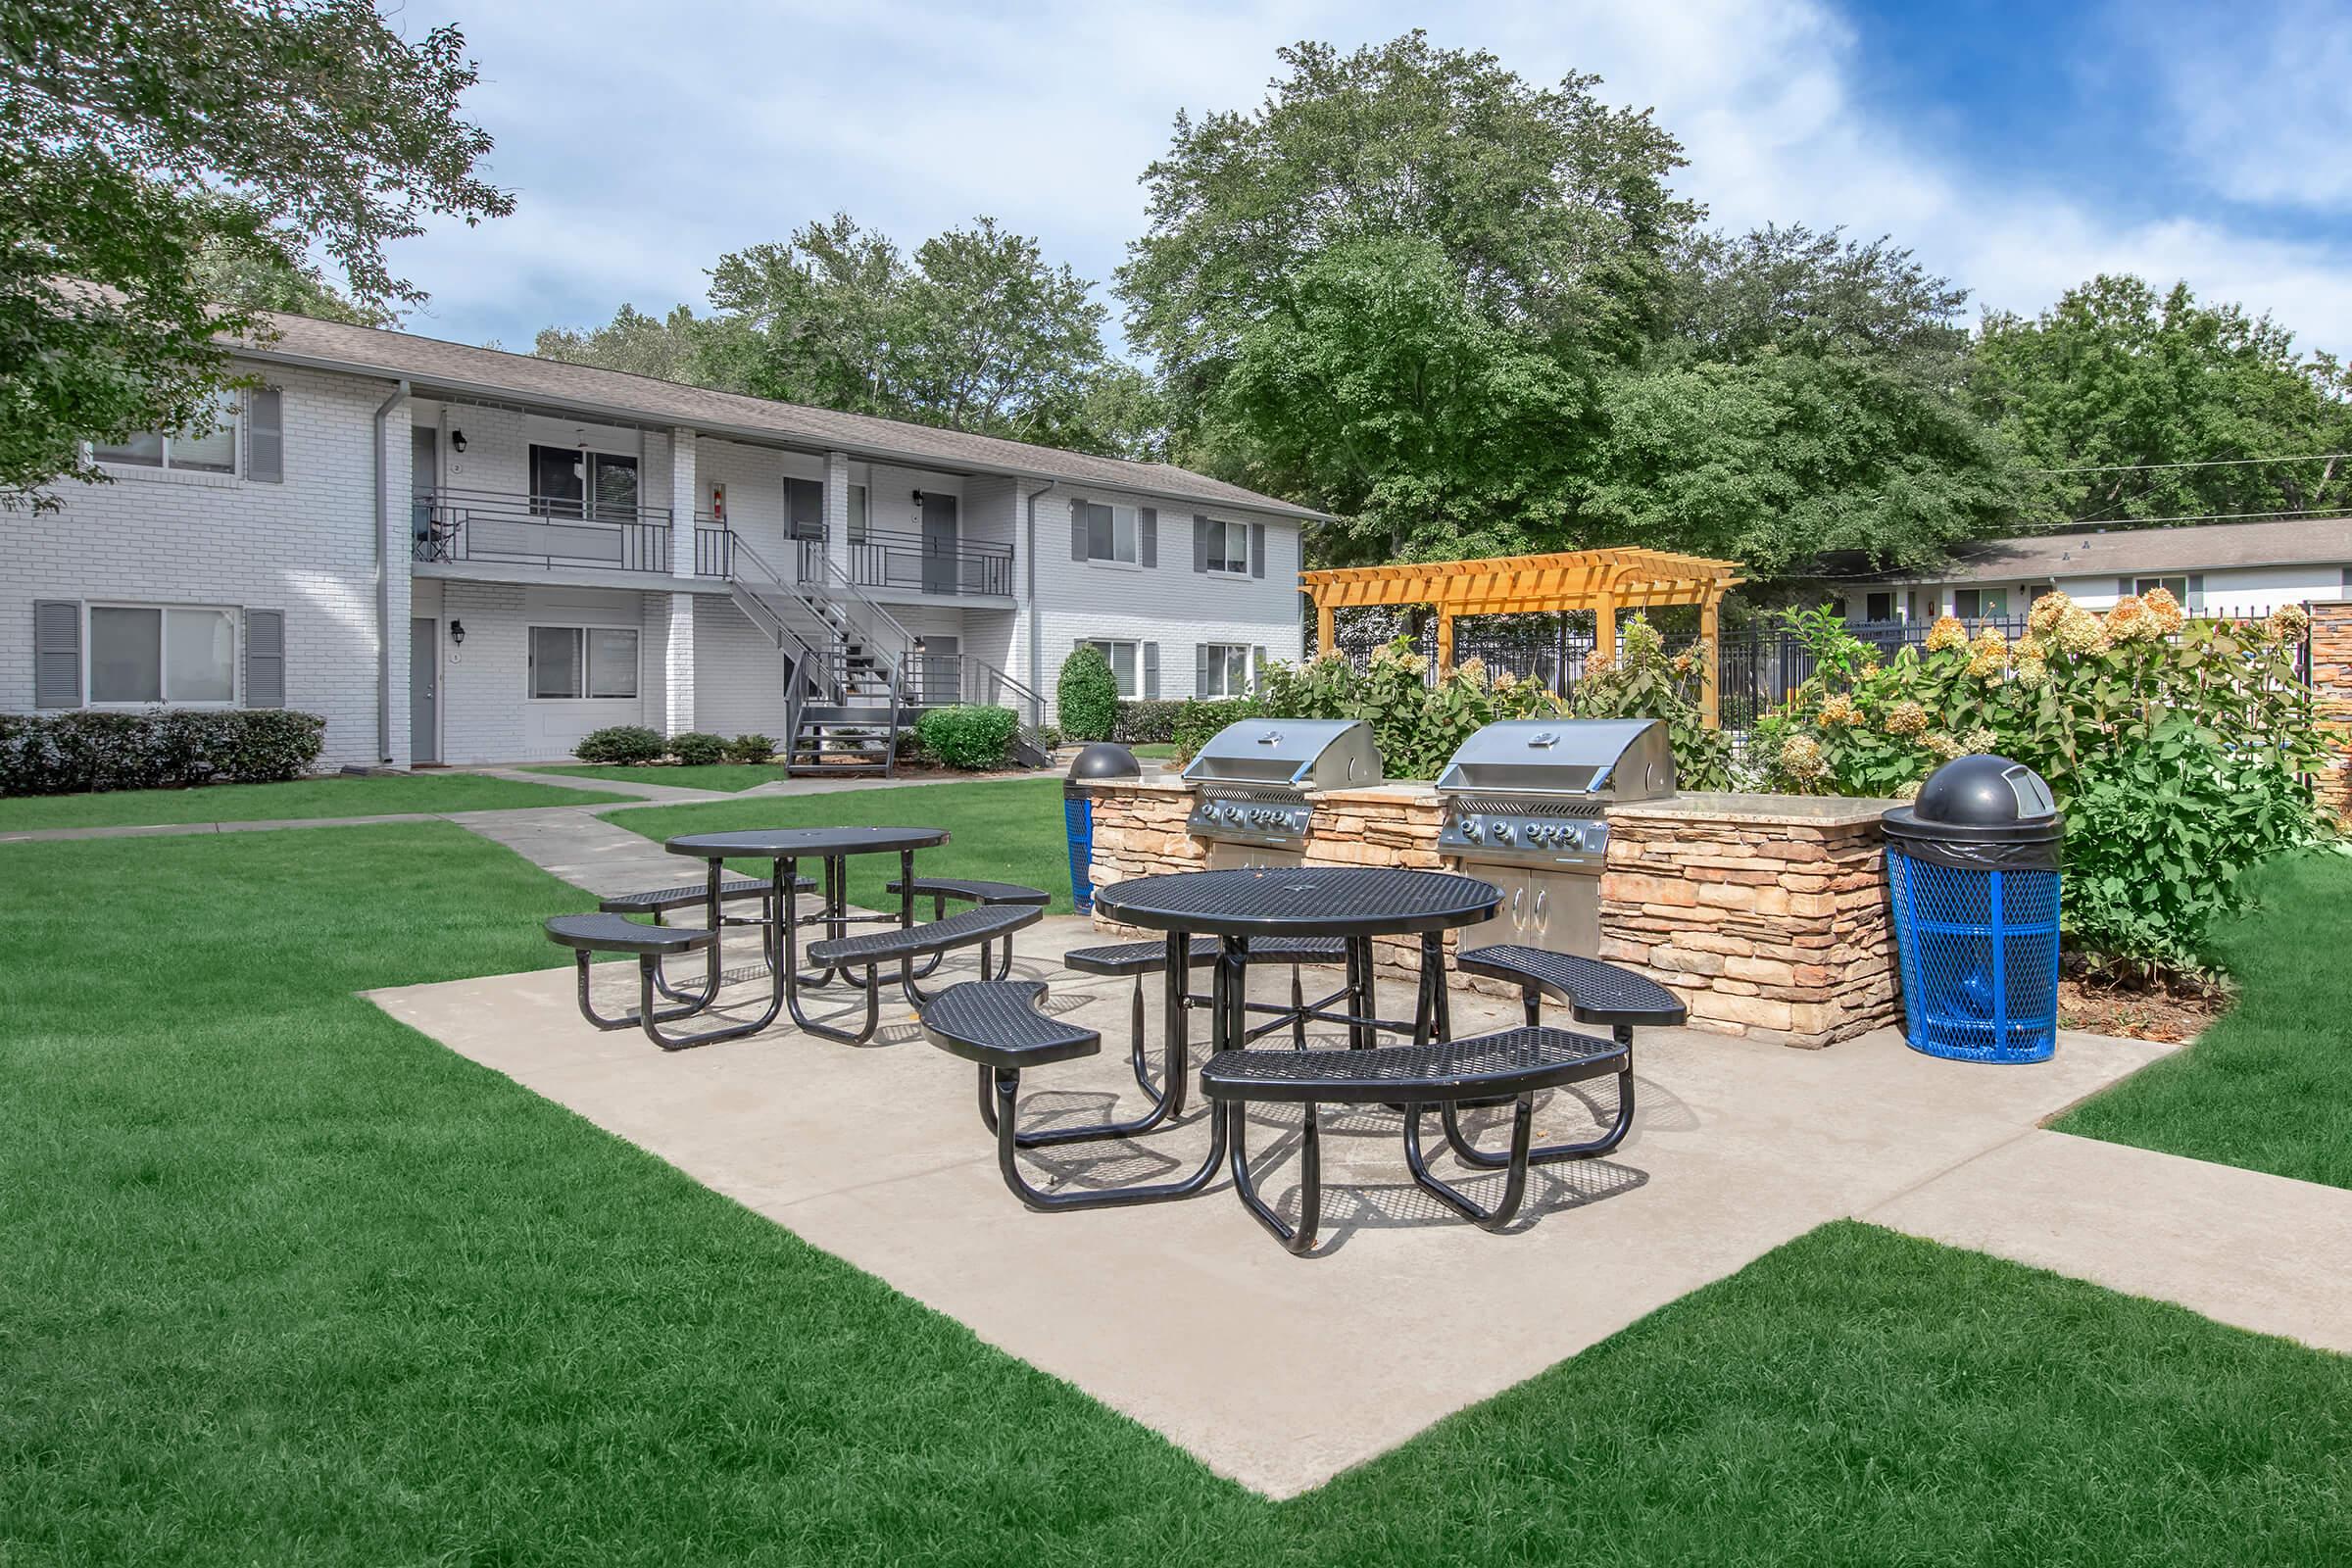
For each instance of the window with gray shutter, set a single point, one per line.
(265, 436)
(1257, 666)
(1147, 536)
(1258, 549)
(1151, 671)
(1199, 543)
(56, 653)
(2196, 591)
(2123, 586)
(1078, 528)
(1201, 669)
(264, 658)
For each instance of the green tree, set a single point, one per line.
(2116, 377)
(136, 134)
(975, 331)
(671, 347)
(1806, 399)
(1530, 226)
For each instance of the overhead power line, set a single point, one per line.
(2214, 463)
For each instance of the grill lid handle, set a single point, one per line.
(1544, 737)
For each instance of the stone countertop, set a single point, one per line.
(1168, 783)
(1771, 811)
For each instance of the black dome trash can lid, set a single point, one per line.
(1105, 760)
(1980, 813)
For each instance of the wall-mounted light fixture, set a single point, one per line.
(918, 498)
(456, 632)
(457, 440)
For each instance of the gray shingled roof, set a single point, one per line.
(457, 367)
(2146, 550)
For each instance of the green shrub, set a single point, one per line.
(1087, 695)
(968, 738)
(750, 748)
(1146, 721)
(162, 748)
(1198, 720)
(1644, 682)
(2178, 750)
(697, 749)
(1417, 725)
(619, 743)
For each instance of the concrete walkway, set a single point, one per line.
(1275, 1371)
(584, 850)
(2264, 1252)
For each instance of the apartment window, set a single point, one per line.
(1110, 534)
(857, 515)
(1224, 669)
(1980, 604)
(576, 661)
(162, 653)
(1229, 547)
(1878, 609)
(2177, 587)
(1124, 664)
(569, 482)
(207, 445)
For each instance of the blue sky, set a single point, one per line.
(2016, 148)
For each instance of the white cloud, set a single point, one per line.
(2259, 108)
(638, 158)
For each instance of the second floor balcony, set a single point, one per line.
(497, 529)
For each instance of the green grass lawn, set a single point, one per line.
(728, 776)
(1006, 830)
(1158, 750)
(282, 1281)
(302, 798)
(2270, 1084)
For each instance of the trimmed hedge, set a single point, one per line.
(163, 748)
(750, 748)
(970, 738)
(695, 748)
(625, 744)
(1199, 719)
(1147, 721)
(1087, 695)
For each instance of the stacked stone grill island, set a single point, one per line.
(1766, 915)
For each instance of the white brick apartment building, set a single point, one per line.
(468, 555)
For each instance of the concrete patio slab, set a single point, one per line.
(1276, 1371)
(2264, 1252)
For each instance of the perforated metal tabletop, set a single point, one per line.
(805, 842)
(1301, 900)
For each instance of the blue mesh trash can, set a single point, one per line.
(1095, 762)
(1973, 865)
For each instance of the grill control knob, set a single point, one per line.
(1502, 832)
(1473, 832)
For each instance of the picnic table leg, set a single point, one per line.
(1299, 1237)
(1552, 1154)
(1514, 1164)
(1176, 1067)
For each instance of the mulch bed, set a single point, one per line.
(2170, 1014)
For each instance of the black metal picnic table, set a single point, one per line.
(1352, 902)
(780, 920)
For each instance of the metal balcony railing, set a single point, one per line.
(882, 558)
(516, 529)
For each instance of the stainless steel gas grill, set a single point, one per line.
(1250, 784)
(1524, 803)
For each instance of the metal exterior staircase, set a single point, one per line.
(844, 693)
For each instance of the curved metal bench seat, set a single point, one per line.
(1511, 1061)
(1594, 992)
(590, 934)
(997, 1024)
(1151, 957)
(617, 933)
(661, 900)
(967, 929)
(972, 890)
(1517, 1063)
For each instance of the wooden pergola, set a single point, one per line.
(1603, 581)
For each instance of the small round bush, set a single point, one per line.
(619, 743)
(1088, 696)
(751, 749)
(970, 738)
(695, 748)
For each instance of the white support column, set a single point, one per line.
(837, 510)
(677, 649)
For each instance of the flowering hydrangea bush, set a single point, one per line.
(2179, 748)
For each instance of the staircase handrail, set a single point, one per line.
(840, 585)
(766, 581)
(995, 677)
